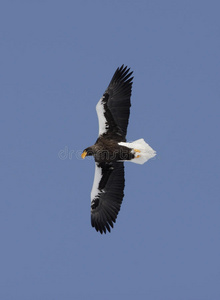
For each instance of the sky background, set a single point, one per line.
(56, 59)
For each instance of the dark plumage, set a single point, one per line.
(111, 149)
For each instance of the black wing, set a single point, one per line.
(113, 109)
(107, 194)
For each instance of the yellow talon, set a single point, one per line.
(136, 150)
(137, 156)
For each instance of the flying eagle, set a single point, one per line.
(111, 150)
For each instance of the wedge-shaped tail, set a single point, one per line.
(142, 151)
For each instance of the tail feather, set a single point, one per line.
(142, 151)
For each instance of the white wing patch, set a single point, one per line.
(102, 120)
(97, 178)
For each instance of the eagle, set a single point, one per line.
(111, 150)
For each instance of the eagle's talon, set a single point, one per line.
(136, 150)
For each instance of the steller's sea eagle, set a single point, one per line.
(111, 150)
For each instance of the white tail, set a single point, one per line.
(141, 150)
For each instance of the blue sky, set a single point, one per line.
(57, 58)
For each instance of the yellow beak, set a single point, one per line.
(83, 155)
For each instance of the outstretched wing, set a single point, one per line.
(113, 109)
(107, 194)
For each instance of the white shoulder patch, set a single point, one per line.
(102, 120)
(97, 178)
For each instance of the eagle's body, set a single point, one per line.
(108, 150)
(111, 150)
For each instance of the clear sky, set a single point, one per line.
(57, 58)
